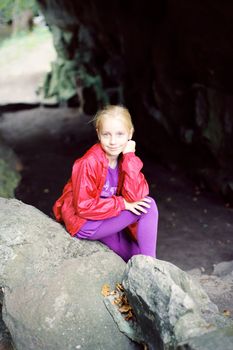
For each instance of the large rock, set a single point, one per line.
(52, 284)
(169, 306)
(218, 285)
(221, 339)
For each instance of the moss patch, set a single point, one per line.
(9, 180)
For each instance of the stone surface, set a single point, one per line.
(218, 285)
(221, 339)
(169, 306)
(52, 284)
(224, 268)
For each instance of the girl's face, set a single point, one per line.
(114, 135)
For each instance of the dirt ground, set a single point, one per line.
(195, 226)
(22, 68)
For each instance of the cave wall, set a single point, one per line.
(169, 62)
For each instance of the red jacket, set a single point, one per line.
(81, 199)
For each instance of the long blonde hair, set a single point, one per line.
(113, 111)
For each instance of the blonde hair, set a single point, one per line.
(113, 111)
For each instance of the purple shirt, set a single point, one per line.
(109, 189)
(111, 182)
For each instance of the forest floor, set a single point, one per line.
(195, 226)
(24, 60)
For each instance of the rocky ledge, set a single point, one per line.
(51, 293)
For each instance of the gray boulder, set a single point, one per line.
(218, 286)
(169, 306)
(223, 268)
(221, 339)
(52, 284)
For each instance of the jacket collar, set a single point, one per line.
(100, 154)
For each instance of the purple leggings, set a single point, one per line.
(111, 232)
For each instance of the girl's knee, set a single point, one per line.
(153, 206)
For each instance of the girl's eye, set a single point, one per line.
(120, 133)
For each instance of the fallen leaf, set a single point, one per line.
(18, 166)
(105, 291)
(118, 300)
(226, 313)
(125, 308)
(113, 292)
(119, 287)
(210, 325)
(124, 299)
(129, 316)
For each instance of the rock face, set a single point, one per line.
(52, 284)
(169, 61)
(218, 285)
(169, 307)
(218, 340)
(51, 292)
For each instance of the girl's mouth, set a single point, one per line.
(114, 149)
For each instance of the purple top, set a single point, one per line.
(109, 189)
(111, 182)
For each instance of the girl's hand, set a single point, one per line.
(130, 146)
(138, 207)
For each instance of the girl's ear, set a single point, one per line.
(97, 131)
(131, 134)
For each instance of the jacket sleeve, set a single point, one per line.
(134, 186)
(57, 207)
(87, 201)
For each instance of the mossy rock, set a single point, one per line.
(9, 179)
(9, 175)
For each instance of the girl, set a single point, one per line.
(106, 198)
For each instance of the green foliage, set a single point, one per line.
(9, 7)
(14, 47)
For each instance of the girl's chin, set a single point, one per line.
(115, 152)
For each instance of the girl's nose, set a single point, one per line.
(113, 140)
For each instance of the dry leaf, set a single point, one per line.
(113, 292)
(129, 316)
(105, 291)
(118, 301)
(210, 325)
(119, 287)
(226, 313)
(125, 308)
(124, 299)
